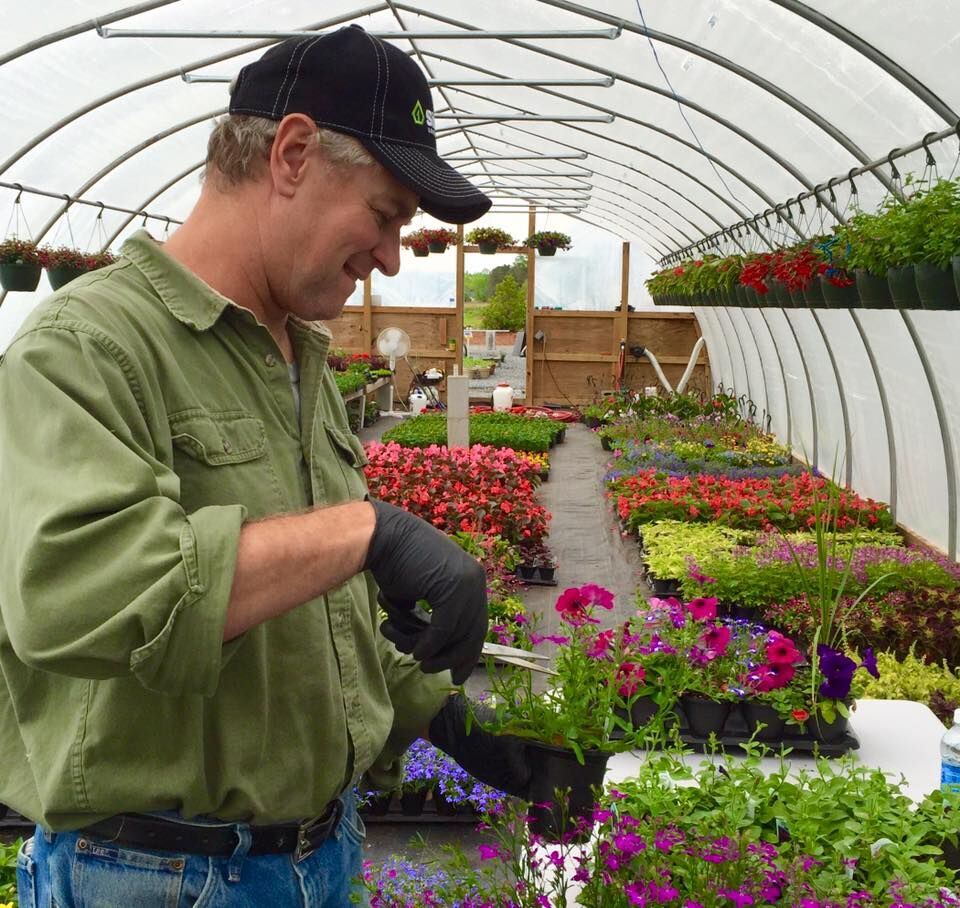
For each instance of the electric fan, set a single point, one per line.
(393, 343)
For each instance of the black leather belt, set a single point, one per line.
(141, 831)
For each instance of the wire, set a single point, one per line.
(683, 112)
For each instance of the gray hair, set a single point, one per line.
(240, 145)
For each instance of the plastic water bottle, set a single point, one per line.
(950, 756)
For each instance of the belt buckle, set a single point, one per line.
(313, 833)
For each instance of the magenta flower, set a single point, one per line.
(781, 651)
(703, 609)
(716, 640)
(597, 595)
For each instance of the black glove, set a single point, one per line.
(498, 760)
(410, 560)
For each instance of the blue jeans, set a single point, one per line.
(71, 870)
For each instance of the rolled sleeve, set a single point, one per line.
(185, 657)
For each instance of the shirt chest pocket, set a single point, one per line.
(339, 463)
(221, 458)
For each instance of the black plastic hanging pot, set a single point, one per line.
(935, 286)
(19, 276)
(437, 246)
(547, 250)
(874, 290)
(839, 297)
(740, 292)
(420, 252)
(412, 802)
(561, 791)
(61, 275)
(903, 287)
(813, 295)
(781, 295)
(488, 248)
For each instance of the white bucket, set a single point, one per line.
(418, 401)
(502, 397)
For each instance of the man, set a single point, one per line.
(194, 676)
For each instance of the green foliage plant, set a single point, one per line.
(501, 430)
(668, 544)
(548, 239)
(507, 307)
(912, 678)
(8, 872)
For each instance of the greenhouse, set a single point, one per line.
(500, 456)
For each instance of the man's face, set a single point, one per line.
(342, 223)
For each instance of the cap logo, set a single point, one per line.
(417, 114)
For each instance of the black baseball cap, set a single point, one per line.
(354, 83)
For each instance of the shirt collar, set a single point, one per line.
(188, 298)
(196, 303)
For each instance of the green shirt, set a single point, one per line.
(144, 419)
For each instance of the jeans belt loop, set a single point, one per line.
(313, 833)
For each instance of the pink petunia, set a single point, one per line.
(703, 608)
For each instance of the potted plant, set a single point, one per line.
(63, 264)
(489, 239)
(439, 239)
(572, 726)
(20, 265)
(416, 241)
(547, 242)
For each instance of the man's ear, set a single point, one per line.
(294, 145)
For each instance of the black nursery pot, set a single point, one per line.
(706, 717)
(556, 768)
(436, 246)
(755, 714)
(379, 805)
(412, 802)
(827, 732)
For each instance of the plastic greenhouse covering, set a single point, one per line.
(656, 123)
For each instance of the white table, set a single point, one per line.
(898, 736)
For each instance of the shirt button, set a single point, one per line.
(227, 447)
(270, 360)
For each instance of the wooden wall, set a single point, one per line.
(574, 363)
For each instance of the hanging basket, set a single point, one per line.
(435, 246)
(61, 275)
(839, 297)
(420, 253)
(488, 248)
(547, 250)
(903, 287)
(874, 290)
(19, 276)
(935, 287)
(813, 295)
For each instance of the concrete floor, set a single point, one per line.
(589, 549)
